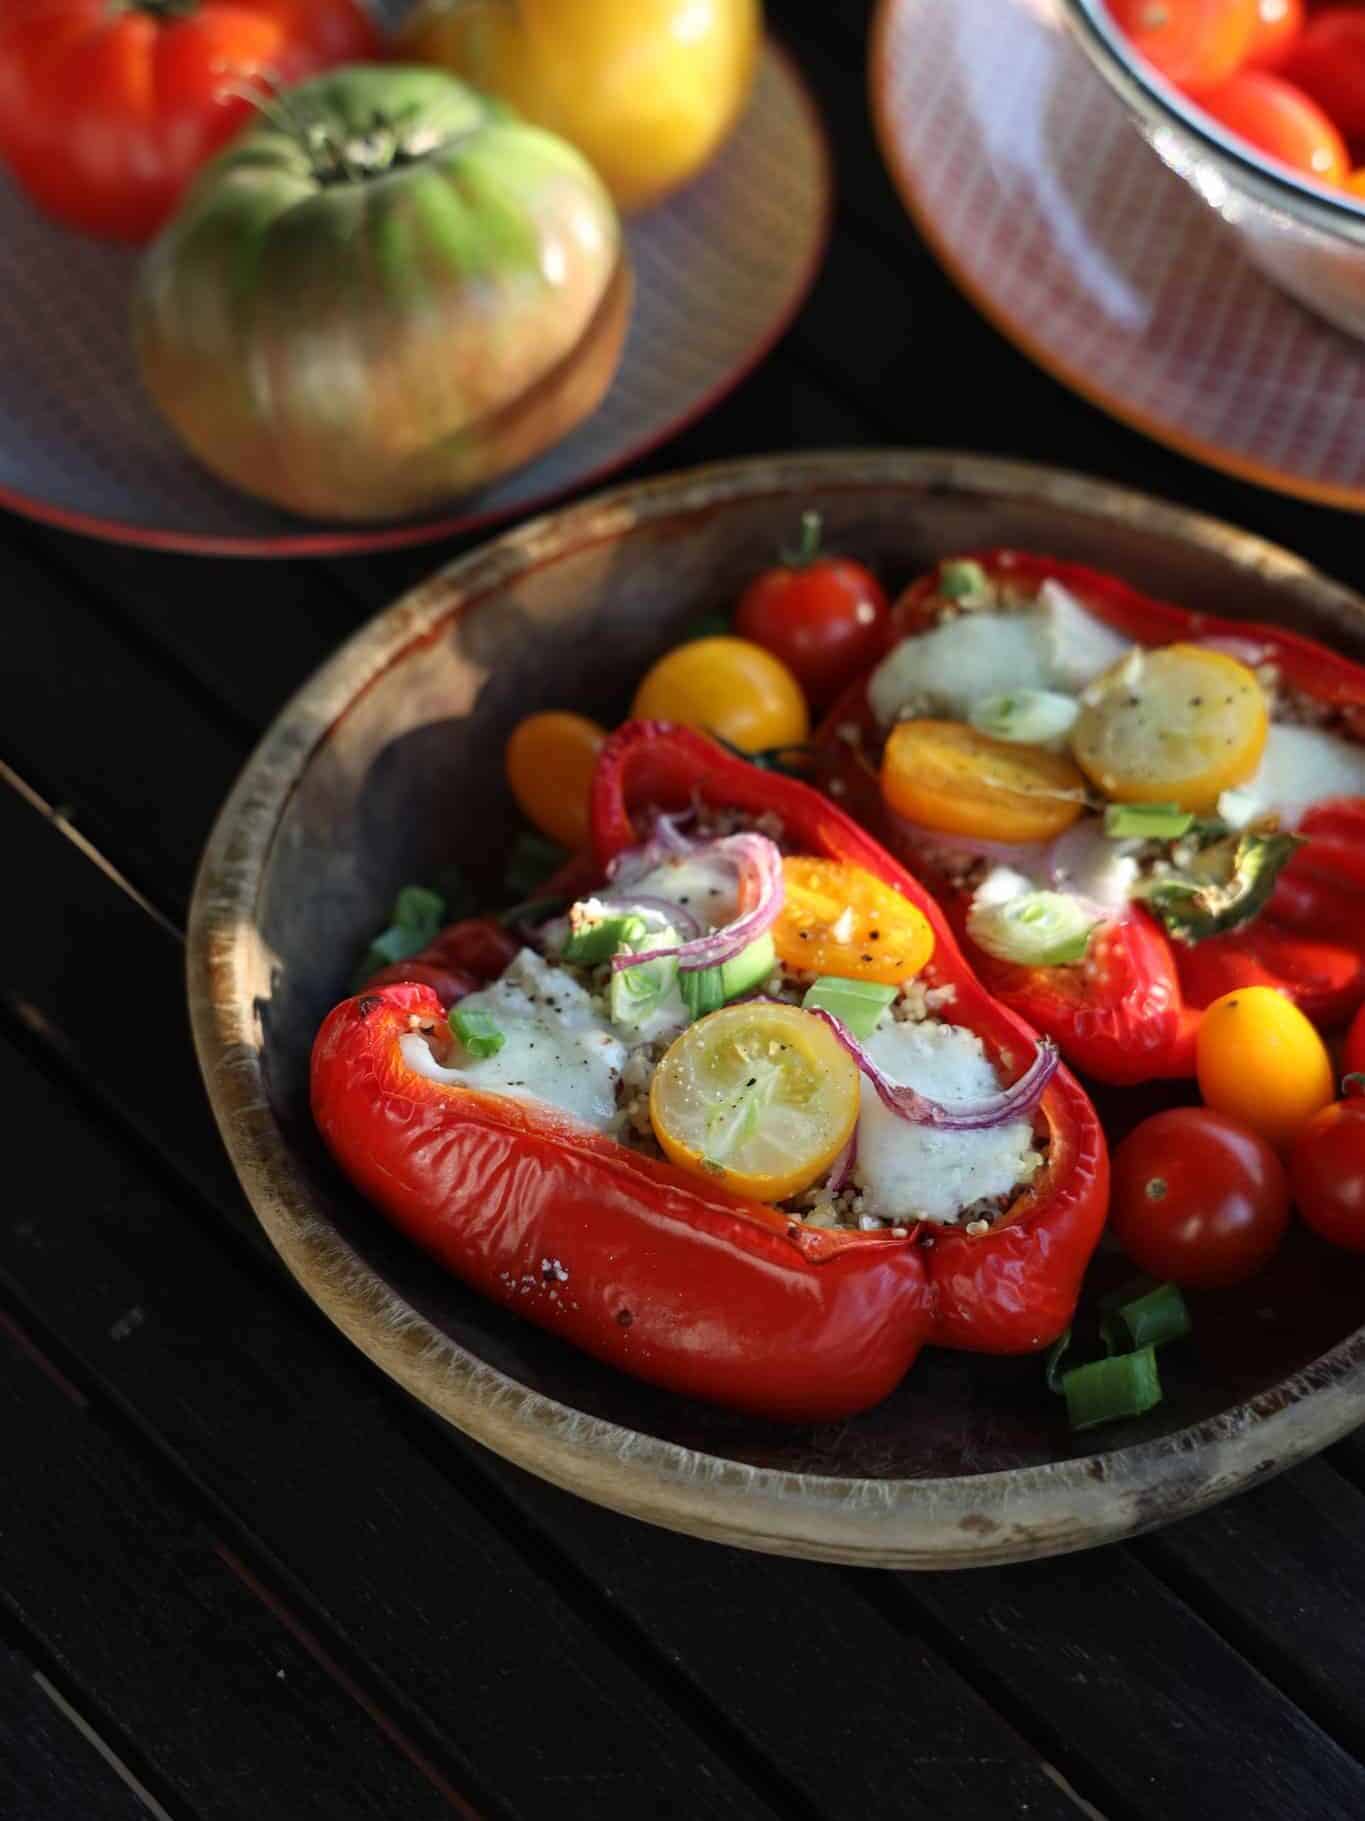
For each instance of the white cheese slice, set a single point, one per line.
(1299, 767)
(1056, 646)
(914, 1172)
(556, 1048)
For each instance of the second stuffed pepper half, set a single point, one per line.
(738, 1117)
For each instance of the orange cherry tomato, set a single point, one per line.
(838, 919)
(945, 775)
(1278, 24)
(550, 760)
(729, 687)
(1196, 44)
(1328, 64)
(1261, 1062)
(1281, 122)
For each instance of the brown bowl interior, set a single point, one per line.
(388, 766)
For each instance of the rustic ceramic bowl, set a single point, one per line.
(388, 764)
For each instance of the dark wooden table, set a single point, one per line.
(245, 1580)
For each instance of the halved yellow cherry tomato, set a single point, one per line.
(1260, 1061)
(838, 919)
(729, 687)
(946, 776)
(550, 760)
(761, 1097)
(1177, 725)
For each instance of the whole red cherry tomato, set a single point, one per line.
(107, 111)
(1327, 1169)
(826, 617)
(1281, 122)
(1328, 64)
(1353, 1055)
(1197, 1198)
(1278, 24)
(1196, 44)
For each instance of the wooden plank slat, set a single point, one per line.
(113, 1274)
(49, 1765)
(145, 1615)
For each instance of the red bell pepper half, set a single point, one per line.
(648, 1267)
(1131, 1011)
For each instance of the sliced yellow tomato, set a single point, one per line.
(729, 687)
(946, 776)
(550, 760)
(1177, 725)
(838, 919)
(760, 1097)
(1260, 1061)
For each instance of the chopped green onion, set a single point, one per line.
(1148, 1321)
(636, 993)
(531, 862)
(1032, 717)
(591, 942)
(477, 1032)
(858, 1004)
(418, 915)
(707, 989)
(1052, 1361)
(962, 579)
(1036, 929)
(702, 989)
(1108, 1389)
(708, 626)
(1147, 821)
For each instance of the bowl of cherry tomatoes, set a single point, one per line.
(1260, 106)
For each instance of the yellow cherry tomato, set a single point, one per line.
(946, 776)
(729, 687)
(550, 760)
(1260, 1061)
(646, 89)
(1177, 725)
(838, 919)
(760, 1097)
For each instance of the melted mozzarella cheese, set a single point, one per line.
(914, 1172)
(556, 1049)
(702, 883)
(1300, 766)
(1056, 645)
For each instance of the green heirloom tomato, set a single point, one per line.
(387, 293)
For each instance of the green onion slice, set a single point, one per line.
(1147, 821)
(477, 1032)
(702, 989)
(1149, 1320)
(636, 993)
(962, 579)
(418, 916)
(1036, 929)
(1032, 717)
(1109, 1389)
(858, 1004)
(591, 942)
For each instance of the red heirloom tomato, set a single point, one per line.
(1278, 24)
(1195, 44)
(826, 617)
(1328, 64)
(1353, 1057)
(1197, 1198)
(108, 109)
(1327, 1169)
(1282, 122)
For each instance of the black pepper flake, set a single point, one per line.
(1196, 701)
(864, 957)
(874, 935)
(624, 1318)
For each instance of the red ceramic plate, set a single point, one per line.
(720, 271)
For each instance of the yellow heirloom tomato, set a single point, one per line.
(946, 776)
(1260, 1061)
(838, 919)
(761, 1097)
(728, 687)
(550, 759)
(646, 89)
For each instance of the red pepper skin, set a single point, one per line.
(1134, 1016)
(686, 1286)
(457, 961)
(1010, 1290)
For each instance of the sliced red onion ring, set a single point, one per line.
(666, 842)
(842, 1166)
(759, 864)
(1014, 1102)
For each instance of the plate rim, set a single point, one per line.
(942, 1522)
(1195, 448)
(363, 540)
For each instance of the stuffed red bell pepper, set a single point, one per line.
(740, 1121)
(1126, 808)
